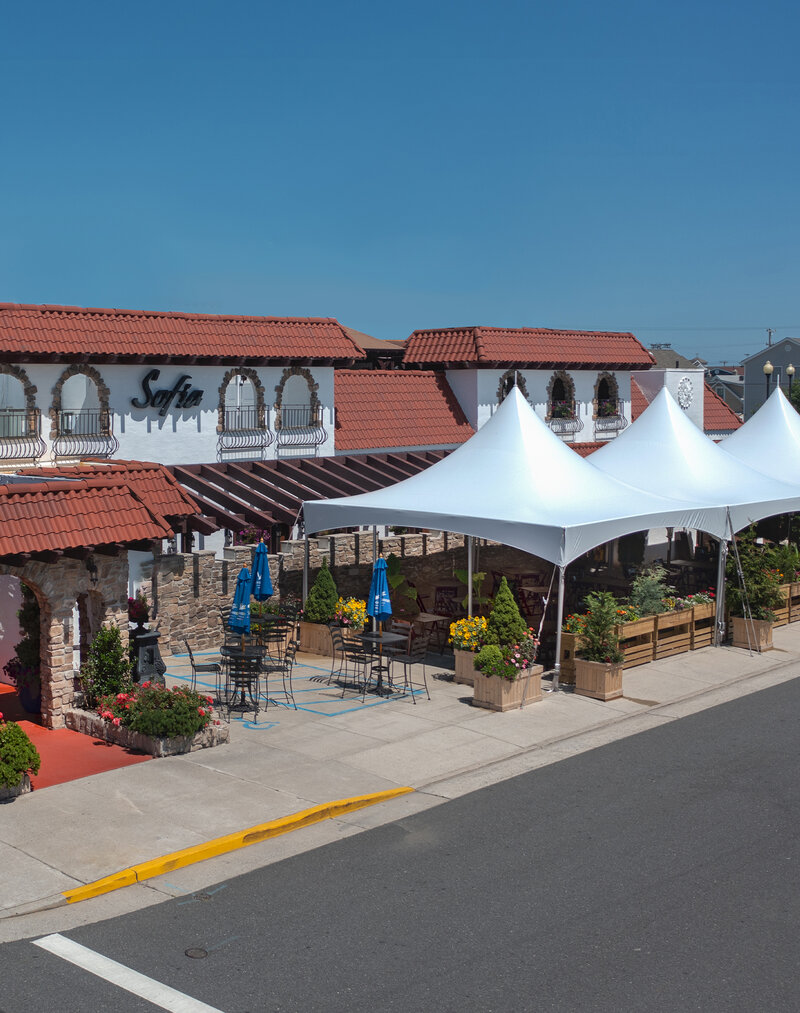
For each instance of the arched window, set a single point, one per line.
(606, 396)
(242, 415)
(608, 415)
(19, 417)
(298, 412)
(81, 416)
(509, 379)
(561, 396)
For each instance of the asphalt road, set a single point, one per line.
(657, 873)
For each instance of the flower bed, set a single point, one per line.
(90, 723)
(154, 719)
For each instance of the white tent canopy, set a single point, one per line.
(516, 482)
(665, 453)
(769, 442)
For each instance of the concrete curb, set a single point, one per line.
(210, 849)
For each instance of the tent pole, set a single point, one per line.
(469, 575)
(559, 622)
(719, 622)
(305, 568)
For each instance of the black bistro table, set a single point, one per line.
(242, 666)
(381, 640)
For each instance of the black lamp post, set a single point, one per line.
(790, 374)
(768, 368)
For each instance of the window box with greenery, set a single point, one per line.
(598, 666)
(506, 674)
(19, 759)
(319, 610)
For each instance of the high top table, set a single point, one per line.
(381, 640)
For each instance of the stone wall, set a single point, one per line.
(190, 592)
(58, 586)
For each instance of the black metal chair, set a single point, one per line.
(416, 655)
(205, 668)
(337, 651)
(285, 668)
(242, 671)
(359, 660)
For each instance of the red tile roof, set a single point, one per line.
(638, 400)
(31, 332)
(395, 408)
(58, 516)
(545, 348)
(717, 416)
(152, 483)
(584, 449)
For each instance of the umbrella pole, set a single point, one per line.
(719, 620)
(469, 575)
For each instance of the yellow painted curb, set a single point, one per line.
(222, 845)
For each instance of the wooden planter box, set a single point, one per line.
(465, 668)
(755, 635)
(782, 612)
(673, 633)
(794, 602)
(90, 723)
(315, 638)
(598, 680)
(497, 694)
(703, 622)
(637, 641)
(568, 648)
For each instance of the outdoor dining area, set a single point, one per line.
(255, 665)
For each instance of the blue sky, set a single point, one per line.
(602, 166)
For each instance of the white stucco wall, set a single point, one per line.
(182, 435)
(476, 390)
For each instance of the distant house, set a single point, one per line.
(756, 384)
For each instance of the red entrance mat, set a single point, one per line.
(67, 755)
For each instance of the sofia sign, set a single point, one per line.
(182, 394)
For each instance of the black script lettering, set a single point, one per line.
(148, 394)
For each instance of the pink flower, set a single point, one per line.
(1, 715)
(106, 714)
(115, 722)
(209, 699)
(145, 685)
(201, 712)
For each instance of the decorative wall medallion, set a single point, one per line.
(685, 392)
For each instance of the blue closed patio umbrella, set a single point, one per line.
(260, 580)
(379, 605)
(239, 619)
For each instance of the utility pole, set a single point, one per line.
(770, 331)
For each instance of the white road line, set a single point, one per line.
(139, 984)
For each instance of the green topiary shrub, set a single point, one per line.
(320, 605)
(18, 755)
(599, 641)
(108, 668)
(506, 626)
(648, 591)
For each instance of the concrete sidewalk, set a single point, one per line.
(64, 836)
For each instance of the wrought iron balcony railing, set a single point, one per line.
(245, 430)
(84, 432)
(562, 418)
(20, 434)
(299, 426)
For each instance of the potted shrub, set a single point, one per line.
(761, 593)
(107, 669)
(506, 675)
(138, 610)
(598, 665)
(319, 610)
(19, 759)
(466, 636)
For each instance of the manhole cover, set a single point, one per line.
(196, 953)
